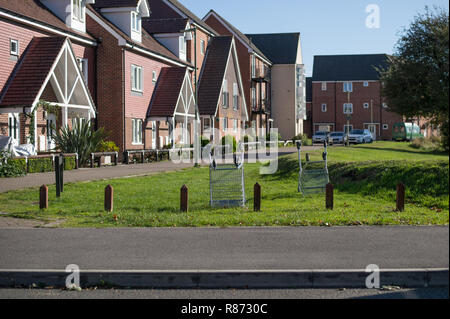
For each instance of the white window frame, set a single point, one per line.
(346, 108)
(235, 97)
(385, 127)
(348, 87)
(385, 106)
(366, 84)
(225, 124)
(202, 46)
(253, 65)
(137, 78)
(182, 44)
(235, 125)
(78, 10)
(14, 126)
(206, 123)
(324, 107)
(84, 68)
(154, 77)
(225, 95)
(16, 42)
(136, 128)
(324, 86)
(135, 21)
(366, 105)
(253, 97)
(350, 126)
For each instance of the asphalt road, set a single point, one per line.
(422, 293)
(225, 249)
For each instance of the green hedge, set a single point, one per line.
(18, 166)
(69, 163)
(40, 165)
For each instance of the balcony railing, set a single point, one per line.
(261, 74)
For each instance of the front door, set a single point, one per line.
(51, 124)
(373, 131)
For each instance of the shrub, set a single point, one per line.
(82, 139)
(204, 141)
(10, 167)
(69, 163)
(40, 165)
(278, 138)
(304, 138)
(228, 140)
(109, 146)
(428, 144)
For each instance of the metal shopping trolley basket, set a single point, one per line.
(226, 177)
(313, 176)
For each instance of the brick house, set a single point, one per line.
(256, 73)
(221, 102)
(46, 55)
(287, 80)
(130, 62)
(348, 87)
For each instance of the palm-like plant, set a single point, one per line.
(81, 139)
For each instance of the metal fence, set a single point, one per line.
(313, 176)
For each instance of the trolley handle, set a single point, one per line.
(299, 144)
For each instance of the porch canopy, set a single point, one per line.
(174, 101)
(48, 71)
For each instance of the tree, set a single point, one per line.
(416, 83)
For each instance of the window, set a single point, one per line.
(385, 106)
(366, 105)
(14, 125)
(202, 46)
(136, 127)
(385, 127)
(253, 66)
(206, 124)
(77, 10)
(154, 77)
(136, 78)
(253, 97)
(235, 125)
(135, 22)
(225, 94)
(348, 87)
(324, 107)
(324, 86)
(366, 84)
(235, 97)
(225, 124)
(348, 128)
(348, 108)
(83, 64)
(14, 47)
(182, 44)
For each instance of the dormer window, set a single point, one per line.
(135, 22)
(77, 10)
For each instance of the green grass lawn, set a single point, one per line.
(364, 176)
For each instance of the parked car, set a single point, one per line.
(337, 138)
(360, 137)
(405, 132)
(320, 137)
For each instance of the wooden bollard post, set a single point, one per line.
(43, 197)
(257, 198)
(308, 158)
(61, 172)
(109, 198)
(329, 196)
(57, 177)
(400, 197)
(184, 199)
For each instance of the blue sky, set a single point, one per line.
(327, 26)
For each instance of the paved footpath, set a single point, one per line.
(267, 248)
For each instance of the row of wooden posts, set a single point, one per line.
(184, 197)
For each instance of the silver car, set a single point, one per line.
(336, 138)
(360, 137)
(319, 137)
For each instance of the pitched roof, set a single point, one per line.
(309, 89)
(32, 71)
(212, 75)
(167, 91)
(238, 33)
(348, 67)
(280, 48)
(148, 43)
(35, 11)
(160, 10)
(115, 3)
(170, 25)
